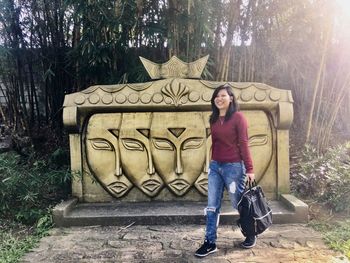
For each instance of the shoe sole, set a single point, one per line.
(244, 246)
(204, 255)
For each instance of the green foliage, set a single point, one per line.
(336, 235)
(52, 48)
(105, 30)
(17, 239)
(325, 177)
(13, 248)
(28, 189)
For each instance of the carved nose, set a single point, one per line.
(118, 171)
(150, 170)
(206, 168)
(178, 169)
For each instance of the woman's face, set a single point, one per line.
(222, 100)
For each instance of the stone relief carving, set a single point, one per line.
(135, 150)
(152, 140)
(201, 183)
(175, 92)
(175, 68)
(102, 153)
(178, 148)
(152, 150)
(260, 142)
(139, 142)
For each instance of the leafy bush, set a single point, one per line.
(325, 178)
(27, 189)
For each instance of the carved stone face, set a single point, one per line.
(260, 145)
(102, 153)
(202, 181)
(260, 141)
(178, 148)
(135, 152)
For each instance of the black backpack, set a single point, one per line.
(254, 211)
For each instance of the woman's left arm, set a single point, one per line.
(243, 142)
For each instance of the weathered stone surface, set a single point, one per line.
(73, 213)
(177, 243)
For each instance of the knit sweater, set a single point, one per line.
(230, 141)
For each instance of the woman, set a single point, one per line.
(231, 163)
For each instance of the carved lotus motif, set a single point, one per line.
(175, 91)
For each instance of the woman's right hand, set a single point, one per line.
(251, 177)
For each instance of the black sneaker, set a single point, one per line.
(206, 249)
(249, 242)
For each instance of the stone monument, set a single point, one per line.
(150, 142)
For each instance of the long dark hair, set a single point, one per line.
(233, 107)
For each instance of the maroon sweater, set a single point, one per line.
(230, 141)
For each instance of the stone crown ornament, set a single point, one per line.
(175, 68)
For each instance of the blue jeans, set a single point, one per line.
(222, 175)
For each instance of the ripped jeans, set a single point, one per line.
(222, 175)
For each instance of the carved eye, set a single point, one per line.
(192, 143)
(162, 144)
(101, 144)
(258, 140)
(132, 145)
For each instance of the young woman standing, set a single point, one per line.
(230, 163)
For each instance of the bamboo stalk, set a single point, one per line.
(321, 93)
(334, 113)
(329, 105)
(318, 78)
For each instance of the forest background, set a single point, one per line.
(50, 48)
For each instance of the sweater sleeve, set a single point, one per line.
(243, 142)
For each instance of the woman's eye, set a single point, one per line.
(101, 144)
(192, 143)
(162, 144)
(132, 145)
(258, 140)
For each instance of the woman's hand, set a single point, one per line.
(251, 177)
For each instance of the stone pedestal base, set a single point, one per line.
(288, 209)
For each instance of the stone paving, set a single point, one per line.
(176, 243)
